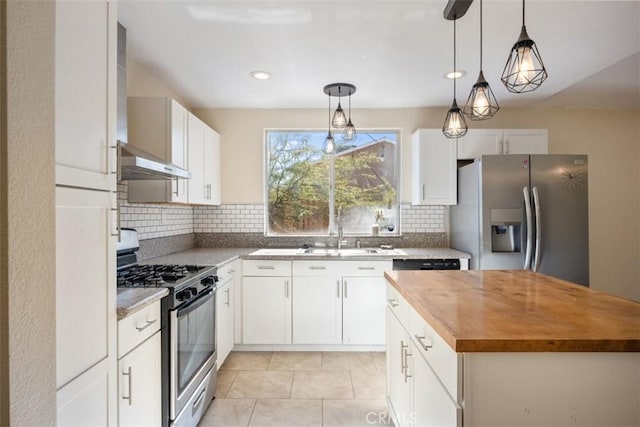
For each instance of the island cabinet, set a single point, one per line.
(509, 348)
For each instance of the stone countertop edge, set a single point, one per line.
(410, 253)
(131, 300)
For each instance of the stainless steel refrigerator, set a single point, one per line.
(524, 212)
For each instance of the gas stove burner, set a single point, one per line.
(156, 275)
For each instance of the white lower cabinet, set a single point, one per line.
(363, 310)
(140, 385)
(225, 313)
(266, 302)
(317, 310)
(139, 368)
(418, 370)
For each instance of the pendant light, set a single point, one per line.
(455, 125)
(339, 119)
(524, 70)
(482, 103)
(350, 131)
(329, 145)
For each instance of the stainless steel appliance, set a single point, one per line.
(188, 337)
(427, 264)
(524, 212)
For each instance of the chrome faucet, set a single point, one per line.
(341, 240)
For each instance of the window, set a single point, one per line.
(306, 188)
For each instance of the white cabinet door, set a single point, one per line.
(525, 141)
(85, 280)
(266, 310)
(140, 385)
(86, 400)
(317, 310)
(212, 166)
(225, 319)
(159, 127)
(434, 170)
(432, 404)
(196, 160)
(85, 92)
(363, 308)
(399, 382)
(478, 142)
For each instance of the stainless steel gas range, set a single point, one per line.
(189, 368)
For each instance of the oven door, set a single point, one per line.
(192, 348)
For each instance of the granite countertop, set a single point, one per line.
(519, 311)
(132, 300)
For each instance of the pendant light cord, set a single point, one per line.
(522, 13)
(480, 35)
(455, 70)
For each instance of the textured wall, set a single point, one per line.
(30, 215)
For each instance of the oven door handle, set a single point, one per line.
(189, 307)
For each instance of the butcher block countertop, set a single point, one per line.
(519, 311)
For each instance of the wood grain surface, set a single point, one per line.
(519, 311)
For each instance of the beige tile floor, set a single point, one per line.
(288, 389)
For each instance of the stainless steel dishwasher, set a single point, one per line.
(427, 264)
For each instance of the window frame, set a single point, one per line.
(332, 228)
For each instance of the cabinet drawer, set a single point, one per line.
(445, 362)
(228, 271)
(316, 268)
(266, 268)
(138, 327)
(365, 268)
(398, 305)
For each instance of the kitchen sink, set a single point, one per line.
(329, 252)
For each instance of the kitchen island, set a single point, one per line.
(511, 348)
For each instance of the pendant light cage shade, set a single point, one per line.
(524, 70)
(350, 131)
(482, 103)
(455, 126)
(339, 120)
(329, 145)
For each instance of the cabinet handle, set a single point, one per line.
(505, 147)
(197, 402)
(114, 171)
(422, 191)
(128, 374)
(499, 146)
(177, 192)
(317, 267)
(116, 211)
(402, 362)
(392, 302)
(425, 346)
(406, 366)
(266, 267)
(366, 268)
(338, 287)
(231, 271)
(149, 323)
(345, 289)
(228, 298)
(286, 289)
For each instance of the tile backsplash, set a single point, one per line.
(163, 220)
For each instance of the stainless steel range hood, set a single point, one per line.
(138, 164)
(134, 163)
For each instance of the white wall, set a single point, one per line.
(27, 206)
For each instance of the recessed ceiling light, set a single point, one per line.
(261, 75)
(455, 74)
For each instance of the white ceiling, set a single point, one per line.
(394, 51)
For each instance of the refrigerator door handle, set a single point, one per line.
(527, 209)
(538, 255)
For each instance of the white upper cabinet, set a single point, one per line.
(502, 141)
(159, 127)
(203, 163)
(85, 95)
(434, 174)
